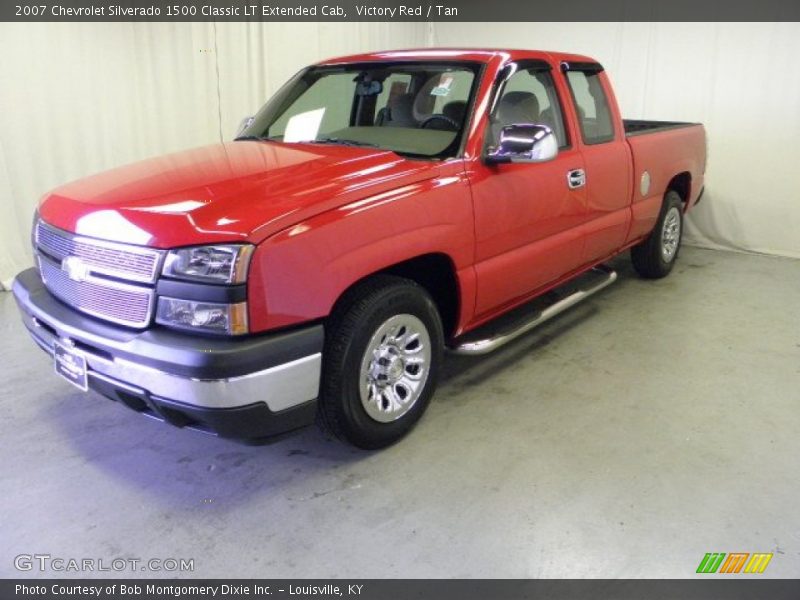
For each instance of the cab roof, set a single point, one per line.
(481, 55)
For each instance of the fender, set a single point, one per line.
(297, 274)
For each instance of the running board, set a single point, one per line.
(495, 341)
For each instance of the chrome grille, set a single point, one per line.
(127, 299)
(108, 258)
(130, 305)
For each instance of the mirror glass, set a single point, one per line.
(524, 142)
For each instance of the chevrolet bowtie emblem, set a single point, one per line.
(75, 268)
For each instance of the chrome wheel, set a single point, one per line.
(671, 234)
(395, 367)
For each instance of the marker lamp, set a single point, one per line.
(210, 317)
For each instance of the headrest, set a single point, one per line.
(518, 107)
(455, 110)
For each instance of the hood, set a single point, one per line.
(237, 191)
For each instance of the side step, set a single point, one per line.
(469, 346)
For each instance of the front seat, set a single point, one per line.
(455, 110)
(398, 112)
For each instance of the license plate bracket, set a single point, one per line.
(70, 365)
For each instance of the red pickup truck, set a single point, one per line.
(378, 210)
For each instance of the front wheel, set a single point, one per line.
(654, 257)
(383, 349)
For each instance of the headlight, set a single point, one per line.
(214, 264)
(230, 319)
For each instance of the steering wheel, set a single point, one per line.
(444, 118)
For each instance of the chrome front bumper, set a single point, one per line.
(278, 372)
(279, 387)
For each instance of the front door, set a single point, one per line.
(527, 216)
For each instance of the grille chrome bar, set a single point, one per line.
(125, 304)
(134, 263)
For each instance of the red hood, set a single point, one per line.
(224, 192)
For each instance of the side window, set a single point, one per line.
(591, 105)
(529, 96)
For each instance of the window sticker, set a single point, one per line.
(304, 127)
(444, 87)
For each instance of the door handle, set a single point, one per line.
(576, 178)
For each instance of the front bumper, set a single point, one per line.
(249, 388)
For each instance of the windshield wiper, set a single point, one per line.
(342, 142)
(250, 138)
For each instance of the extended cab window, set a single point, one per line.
(591, 104)
(528, 96)
(415, 109)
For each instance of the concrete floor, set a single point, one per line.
(627, 438)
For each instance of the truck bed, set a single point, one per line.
(667, 149)
(638, 127)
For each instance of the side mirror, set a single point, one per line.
(244, 124)
(524, 143)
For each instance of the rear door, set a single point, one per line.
(528, 219)
(606, 158)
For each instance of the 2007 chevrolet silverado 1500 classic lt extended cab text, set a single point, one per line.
(378, 209)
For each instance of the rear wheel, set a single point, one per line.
(654, 257)
(382, 354)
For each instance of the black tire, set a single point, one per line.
(650, 257)
(349, 332)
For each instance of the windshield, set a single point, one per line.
(415, 109)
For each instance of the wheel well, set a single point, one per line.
(681, 183)
(437, 274)
(434, 272)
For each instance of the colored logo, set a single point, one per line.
(75, 268)
(736, 562)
